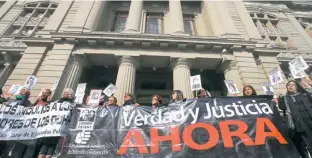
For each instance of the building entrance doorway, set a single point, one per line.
(153, 81)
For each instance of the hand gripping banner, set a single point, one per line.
(224, 127)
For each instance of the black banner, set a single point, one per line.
(225, 127)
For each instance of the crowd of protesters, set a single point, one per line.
(296, 102)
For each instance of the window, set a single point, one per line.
(33, 18)
(154, 24)
(269, 28)
(189, 26)
(120, 22)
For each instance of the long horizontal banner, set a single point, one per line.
(25, 123)
(225, 127)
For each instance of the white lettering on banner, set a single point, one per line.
(21, 123)
(213, 111)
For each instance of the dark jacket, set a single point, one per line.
(300, 106)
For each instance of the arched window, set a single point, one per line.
(270, 29)
(32, 19)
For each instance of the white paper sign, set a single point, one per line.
(231, 86)
(298, 64)
(295, 74)
(86, 118)
(31, 82)
(110, 90)
(275, 76)
(14, 89)
(95, 96)
(55, 83)
(81, 89)
(267, 88)
(195, 83)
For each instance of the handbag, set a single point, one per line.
(290, 121)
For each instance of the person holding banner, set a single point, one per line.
(44, 99)
(22, 98)
(248, 90)
(129, 100)
(298, 103)
(2, 99)
(49, 143)
(202, 93)
(177, 96)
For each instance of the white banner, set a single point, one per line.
(24, 123)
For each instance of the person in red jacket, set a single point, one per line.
(44, 99)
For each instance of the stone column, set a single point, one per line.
(8, 68)
(134, 16)
(176, 17)
(125, 81)
(95, 15)
(181, 77)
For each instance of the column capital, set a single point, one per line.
(128, 59)
(81, 59)
(228, 65)
(180, 61)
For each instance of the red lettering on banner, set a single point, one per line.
(226, 134)
(240, 132)
(138, 142)
(174, 138)
(261, 134)
(213, 135)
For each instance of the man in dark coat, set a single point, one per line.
(299, 102)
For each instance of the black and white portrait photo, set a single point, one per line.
(30, 82)
(267, 88)
(87, 115)
(14, 89)
(275, 76)
(80, 89)
(298, 65)
(110, 90)
(195, 83)
(86, 119)
(94, 97)
(231, 86)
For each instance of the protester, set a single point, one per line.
(129, 100)
(248, 90)
(299, 102)
(22, 98)
(156, 101)
(202, 93)
(49, 143)
(44, 99)
(177, 95)
(112, 101)
(2, 99)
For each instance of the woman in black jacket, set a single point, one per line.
(299, 102)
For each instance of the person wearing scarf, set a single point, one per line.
(49, 144)
(299, 102)
(129, 100)
(2, 99)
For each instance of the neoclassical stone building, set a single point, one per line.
(150, 47)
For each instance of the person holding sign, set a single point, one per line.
(298, 103)
(248, 90)
(49, 143)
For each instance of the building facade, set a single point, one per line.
(150, 47)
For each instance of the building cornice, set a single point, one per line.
(266, 7)
(147, 41)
